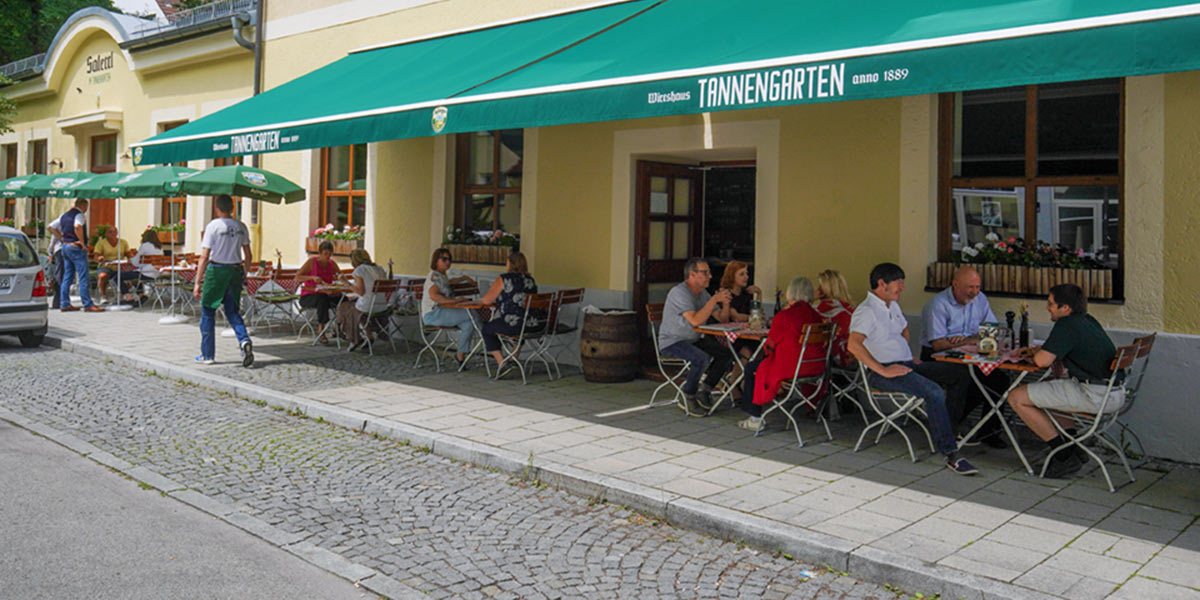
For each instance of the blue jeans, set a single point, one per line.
(707, 355)
(921, 382)
(208, 317)
(461, 318)
(75, 264)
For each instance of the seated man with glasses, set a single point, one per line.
(689, 305)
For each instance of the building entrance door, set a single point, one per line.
(667, 231)
(102, 211)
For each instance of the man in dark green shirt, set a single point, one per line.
(1078, 344)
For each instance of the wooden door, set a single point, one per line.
(668, 223)
(102, 211)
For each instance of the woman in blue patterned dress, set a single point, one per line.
(507, 295)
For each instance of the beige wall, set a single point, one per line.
(1181, 269)
(402, 204)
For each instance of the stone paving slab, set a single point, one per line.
(1064, 538)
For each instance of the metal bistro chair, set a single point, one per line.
(162, 283)
(379, 312)
(673, 370)
(405, 303)
(510, 345)
(541, 344)
(1133, 386)
(431, 335)
(564, 328)
(814, 334)
(1095, 425)
(845, 384)
(898, 406)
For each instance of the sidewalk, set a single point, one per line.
(874, 513)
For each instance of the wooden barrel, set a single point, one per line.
(608, 347)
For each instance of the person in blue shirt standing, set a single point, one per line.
(224, 259)
(72, 226)
(951, 319)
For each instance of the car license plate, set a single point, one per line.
(5, 283)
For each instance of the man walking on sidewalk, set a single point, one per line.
(224, 259)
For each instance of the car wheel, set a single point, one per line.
(30, 339)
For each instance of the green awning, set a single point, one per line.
(654, 58)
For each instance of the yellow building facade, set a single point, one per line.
(842, 185)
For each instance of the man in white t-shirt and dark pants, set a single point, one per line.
(879, 339)
(224, 259)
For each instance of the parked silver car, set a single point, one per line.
(23, 291)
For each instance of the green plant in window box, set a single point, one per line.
(7, 223)
(345, 240)
(171, 233)
(485, 247)
(33, 227)
(1014, 266)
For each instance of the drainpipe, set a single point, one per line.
(239, 21)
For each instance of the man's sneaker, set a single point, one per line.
(200, 360)
(687, 403)
(751, 424)
(703, 399)
(961, 466)
(247, 353)
(1064, 464)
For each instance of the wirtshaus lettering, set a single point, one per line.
(264, 141)
(777, 85)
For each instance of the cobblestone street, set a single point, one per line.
(444, 528)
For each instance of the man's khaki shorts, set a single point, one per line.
(1069, 395)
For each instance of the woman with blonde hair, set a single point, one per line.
(833, 304)
(362, 280)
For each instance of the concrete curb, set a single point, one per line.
(810, 546)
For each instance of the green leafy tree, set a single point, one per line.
(8, 110)
(28, 26)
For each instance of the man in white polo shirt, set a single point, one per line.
(224, 259)
(879, 338)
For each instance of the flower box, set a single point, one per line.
(1097, 284)
(170, 237)
(340, 247)
(29, 230)
(480, 254)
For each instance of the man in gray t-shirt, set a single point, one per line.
(689, 305)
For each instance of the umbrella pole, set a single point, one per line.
(118, 305)
(173, 318)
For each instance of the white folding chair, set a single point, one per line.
(541, 342)
(565, 325)
(378, 311)
(531, 331)
(1095, 425)
(672, 369)
(814, 335)
(431, 335)
(892, 407)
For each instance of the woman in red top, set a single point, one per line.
(319, 269)
(833, 304)
(781, 353)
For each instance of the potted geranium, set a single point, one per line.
(171, 233)
(33, 228)
(7, 222)
(345, 240)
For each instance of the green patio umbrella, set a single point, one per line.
(15, 187)
(148, 183)
(96, 186)
(239, 180)
(53, 186)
